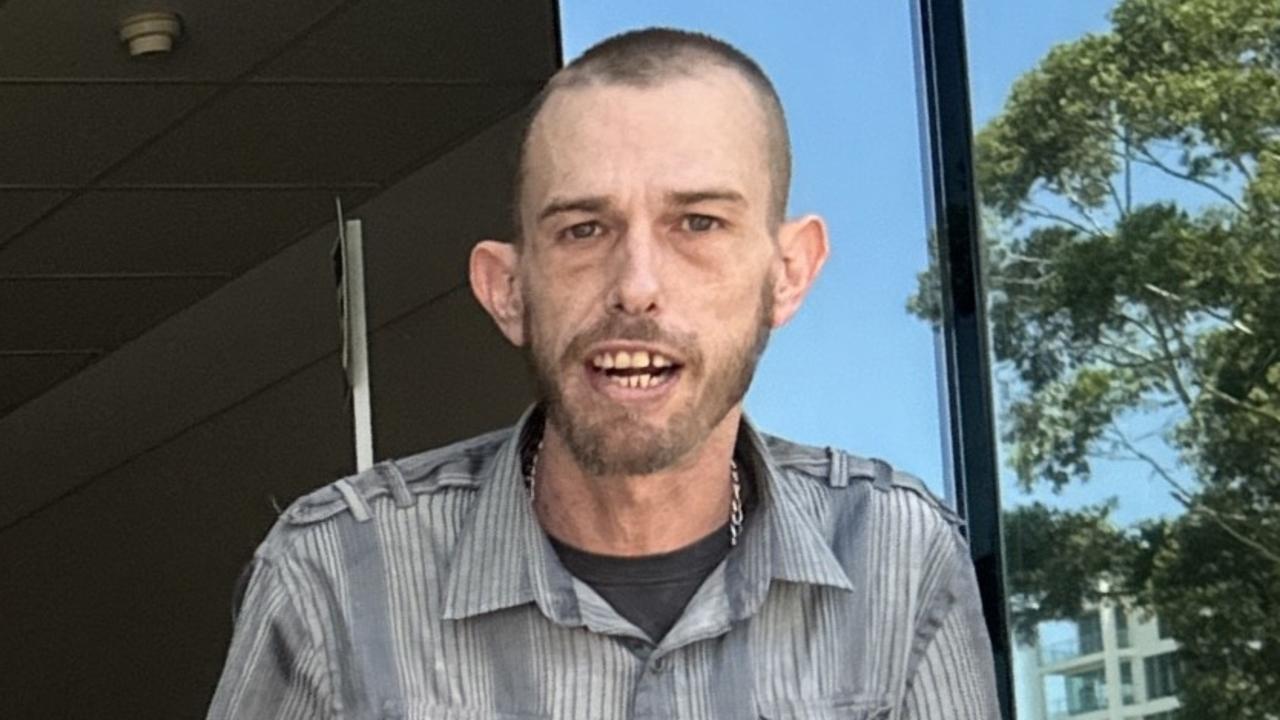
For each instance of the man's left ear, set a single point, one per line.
(802, 251)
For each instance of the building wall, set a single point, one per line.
(176, 451)
(1053, 663)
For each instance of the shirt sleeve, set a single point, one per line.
(954, 676)
(275, 668)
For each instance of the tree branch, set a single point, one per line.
(1175, 375)
(1184, 497)
(1115, 196)
(1151, 160)
(1021, 257)
(1215, 314)
(1145, 359)
(1240, 404)
(1140, 325)
(1038, 211)
(1242, 169)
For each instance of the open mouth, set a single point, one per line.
(634, 369)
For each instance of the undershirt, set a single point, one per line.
(651, 591)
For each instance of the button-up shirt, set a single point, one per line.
(426, 588)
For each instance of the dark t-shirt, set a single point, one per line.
(649, 590)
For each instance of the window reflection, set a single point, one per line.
(1128, 162)
(853, 369)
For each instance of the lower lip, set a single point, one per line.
(604, 385)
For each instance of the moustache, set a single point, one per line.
(640, 330)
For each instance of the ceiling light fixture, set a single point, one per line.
(150, 32)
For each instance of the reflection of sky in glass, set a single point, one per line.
(1005, 40)
(853, 369)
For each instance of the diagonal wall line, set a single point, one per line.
(89, 481)
(297, 39)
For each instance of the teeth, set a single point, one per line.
(636, 381)
(623, 360)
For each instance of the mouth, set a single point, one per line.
(633, 373)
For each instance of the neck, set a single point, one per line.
(638, 514)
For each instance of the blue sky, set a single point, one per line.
(854, 369)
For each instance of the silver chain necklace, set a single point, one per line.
(735, 503)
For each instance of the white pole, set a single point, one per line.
(357, 332)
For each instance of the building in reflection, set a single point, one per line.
(1108, 664)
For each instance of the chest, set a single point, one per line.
(806, 653)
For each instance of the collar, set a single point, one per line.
(504, 559)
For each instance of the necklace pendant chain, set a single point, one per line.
(735, 504)
(531, 480)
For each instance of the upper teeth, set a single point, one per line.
(623, 360)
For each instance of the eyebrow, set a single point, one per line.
(692, 197)
(583, 204)
(597, 203)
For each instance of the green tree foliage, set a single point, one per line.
(1132, 185)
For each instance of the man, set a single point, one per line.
(633, 547)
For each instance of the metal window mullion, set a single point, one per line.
(946, 137)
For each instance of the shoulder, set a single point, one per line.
(849, 478)
(450, 474)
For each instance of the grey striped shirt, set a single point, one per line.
(425, 588)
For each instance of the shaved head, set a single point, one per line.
(651, 57)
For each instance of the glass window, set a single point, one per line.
(1122, 627)
(854, 369)
(1127, 694)
(1078, 692)
(1090, 629)
(1162, 674)
(1128, 166)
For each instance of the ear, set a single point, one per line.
(496, 284)
(802, 251)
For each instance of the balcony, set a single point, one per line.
(1070, 648)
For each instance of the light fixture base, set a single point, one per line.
(150, 32)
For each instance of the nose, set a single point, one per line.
(637, 287)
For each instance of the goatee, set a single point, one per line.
(612, 440)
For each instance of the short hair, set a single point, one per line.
(649, 57)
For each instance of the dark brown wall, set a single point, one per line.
(115, 600)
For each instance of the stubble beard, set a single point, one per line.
(608, 440)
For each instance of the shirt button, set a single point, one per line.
(659, 665)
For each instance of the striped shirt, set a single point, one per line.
(425, 588)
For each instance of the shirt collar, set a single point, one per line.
(787, 542)
(503, 558)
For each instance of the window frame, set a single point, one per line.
(952, 213)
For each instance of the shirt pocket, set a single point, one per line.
(836, 707)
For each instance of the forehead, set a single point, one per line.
(681, 133)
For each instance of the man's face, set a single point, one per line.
(647, 244)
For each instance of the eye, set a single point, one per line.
(700, 223)
(582, 231)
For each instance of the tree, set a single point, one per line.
(1132, 186)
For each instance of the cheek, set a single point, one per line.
(730, 303)
(557, 318)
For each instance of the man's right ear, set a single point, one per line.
(496, 284)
